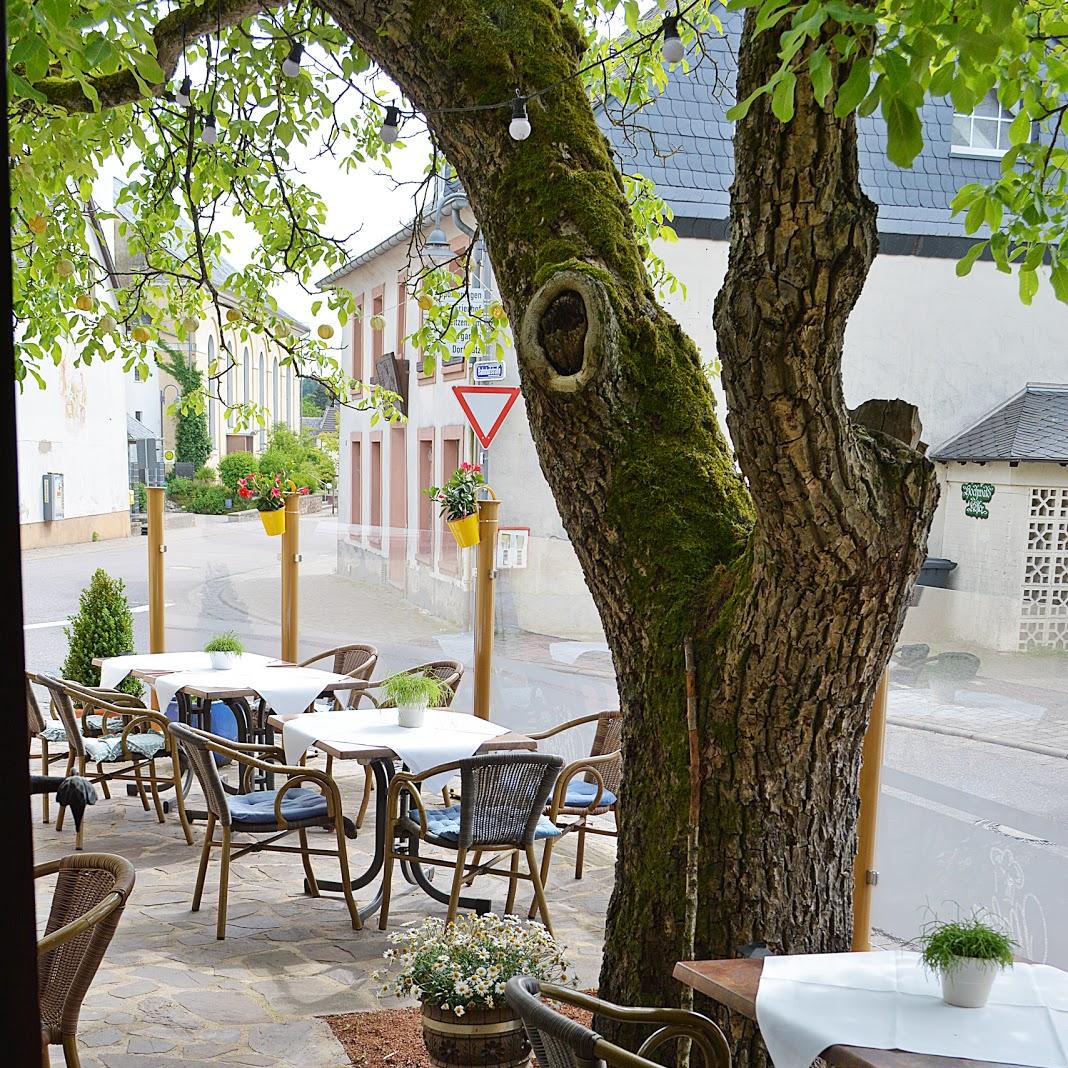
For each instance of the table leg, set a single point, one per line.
(383, 773)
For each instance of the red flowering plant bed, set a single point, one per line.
(267, 492)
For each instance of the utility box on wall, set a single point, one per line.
(52, 496)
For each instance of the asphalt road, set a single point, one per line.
(962, 824)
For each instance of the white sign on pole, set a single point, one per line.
(489, 371)
(474, 300)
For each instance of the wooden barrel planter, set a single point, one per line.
(481, 1038)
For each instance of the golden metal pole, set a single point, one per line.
(156, 548)
(291, 579)
(865, 876)
(485, 577)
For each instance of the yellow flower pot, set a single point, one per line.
(274, 522)
(465, 530)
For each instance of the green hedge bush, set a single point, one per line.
(103, 626)
(236, 465)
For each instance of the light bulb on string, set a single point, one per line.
(390, 125)
(291, 64)
(209, 134)
(182, 93)
(519, 127)
(673, 48)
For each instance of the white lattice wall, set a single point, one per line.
(1044, 607)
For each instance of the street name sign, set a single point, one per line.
(489, 371)
(486, 408)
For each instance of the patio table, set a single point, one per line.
(195, 697)
(382, 760)
(734, 983)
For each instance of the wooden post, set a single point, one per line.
(485, 578)
(157, 642)
(291, 579)
(864, 874)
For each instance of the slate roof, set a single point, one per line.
(688, 125)
(1033, 425)
(137, 431)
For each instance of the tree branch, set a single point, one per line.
(172, 34)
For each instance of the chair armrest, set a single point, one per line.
(297, 776)
(588, 765)
(86, 920)
(677, 1023)
(561, 727)
(395, 788)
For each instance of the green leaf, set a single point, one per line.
(782, 100)
(854, 88)
(967, 261)
(819, 68)
(148, 67)
(904, 132)
(1028, 284)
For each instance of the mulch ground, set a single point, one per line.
(393, 1038)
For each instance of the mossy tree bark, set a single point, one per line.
(793, 591)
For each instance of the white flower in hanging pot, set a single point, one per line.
(967, 954)
(413, 693)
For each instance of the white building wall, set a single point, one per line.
(75, 427)
(954, 347)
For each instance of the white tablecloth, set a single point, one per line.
(886, 1000)
(444, 737)
(287, 690)
(115, 668)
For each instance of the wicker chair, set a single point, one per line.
(501, 810)
(355, 660)
(47, 731)
(276, 813)
(596, 793)
(91, 891)
(559, 1042)
(141, 741)
(450, 672)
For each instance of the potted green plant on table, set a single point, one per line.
(459, 504)
(967, 954)
(413, 693)
(268, 494)
(458, 972)
(224, 650)
(102, 627)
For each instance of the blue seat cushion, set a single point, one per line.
(258, 807)
(108, 750)
(581, 794)
(444, 823)
(54, 732)
(116, 724)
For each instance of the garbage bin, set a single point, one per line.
(223, 723)
(935, 572)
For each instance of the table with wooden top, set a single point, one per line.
(733, 983)
(383, 764)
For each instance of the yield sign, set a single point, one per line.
(486, 408)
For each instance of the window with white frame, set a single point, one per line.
(985, 132)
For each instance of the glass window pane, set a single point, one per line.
(988, 107)
(984, 133)
(962, 131)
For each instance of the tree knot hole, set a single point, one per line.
(562, 332)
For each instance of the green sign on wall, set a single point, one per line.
(976, 497)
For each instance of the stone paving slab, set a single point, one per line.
(168, 993)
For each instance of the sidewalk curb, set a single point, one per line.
(973, 736)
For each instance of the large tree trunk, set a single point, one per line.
(793, 599)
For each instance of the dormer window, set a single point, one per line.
(985, 132)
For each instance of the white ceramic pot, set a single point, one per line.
(968, 984)
(224, 661)
(411, 715)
